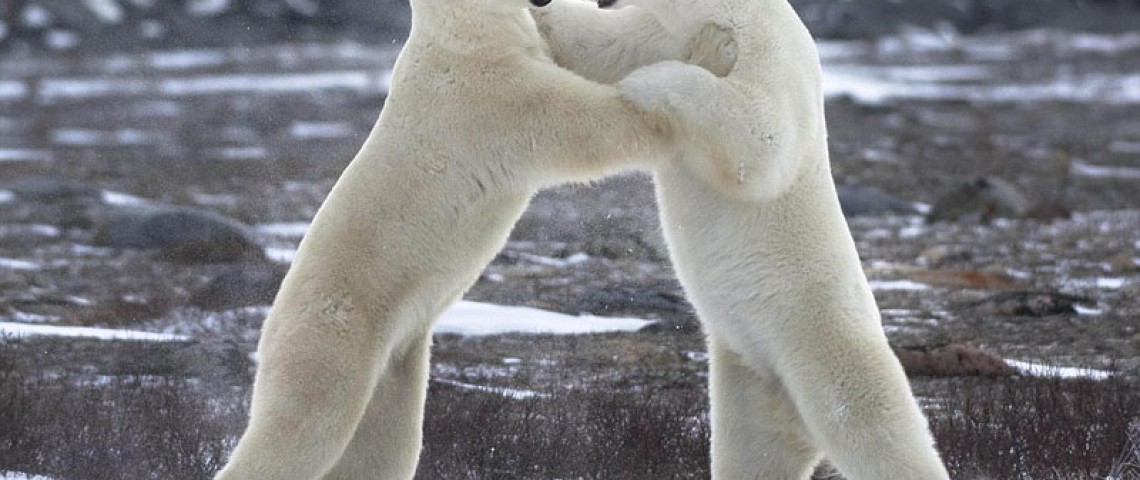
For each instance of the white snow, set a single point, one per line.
(1099, 171)
(506, 392)
(1032, 369)
(108, 11)
(545, 261)
(887, 285)
(321, 130)
(284, 229)
(23, 155)
(22, 330)
(478, 319)
(122, 199)
(12, 90)
(186, 59)
(9, 475)
(281, 254)
(878, 85)
(1089, 311)
(22, 265)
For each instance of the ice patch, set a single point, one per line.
(6, 196)
(478, 319)
(1031, 369)
(23, 330)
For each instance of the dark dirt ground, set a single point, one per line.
(240, 153)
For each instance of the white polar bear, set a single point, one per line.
(800, 367)
(478, 119)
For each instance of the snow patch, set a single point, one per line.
(21, 265)
(1031, 369)
(23, 330)
(9, 475)
(6, 196)
(1099, 171)
(122, 199)
(478, 319)
(23, 155)
(281, 254)
(284, 229)
(506, 392)
(321, 130)
(12, 90)
(896, 285)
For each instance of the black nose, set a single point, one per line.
(606, 3)
(540, 3)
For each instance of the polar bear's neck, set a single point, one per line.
(472, 29)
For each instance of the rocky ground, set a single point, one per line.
(165, 190)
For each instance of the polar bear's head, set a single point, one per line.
(647, 4)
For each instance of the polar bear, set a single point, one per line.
(800, 367)
(478, 119)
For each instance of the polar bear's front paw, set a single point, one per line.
(663, 86)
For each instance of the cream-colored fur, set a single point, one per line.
(800, 367)
(478, 119)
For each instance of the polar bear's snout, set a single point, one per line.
(606, 3)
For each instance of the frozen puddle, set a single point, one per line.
(1031, 369)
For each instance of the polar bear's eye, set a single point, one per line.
(540, 3)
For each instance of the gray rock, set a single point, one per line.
(45, 189)
(240, 286)
(183, 234)
(864, 201)
(981, 200)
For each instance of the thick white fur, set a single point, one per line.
(479, 118)
(800, 366)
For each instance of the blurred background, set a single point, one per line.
(64, 25)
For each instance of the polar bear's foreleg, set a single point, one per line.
(756, 430)
(725, 141)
